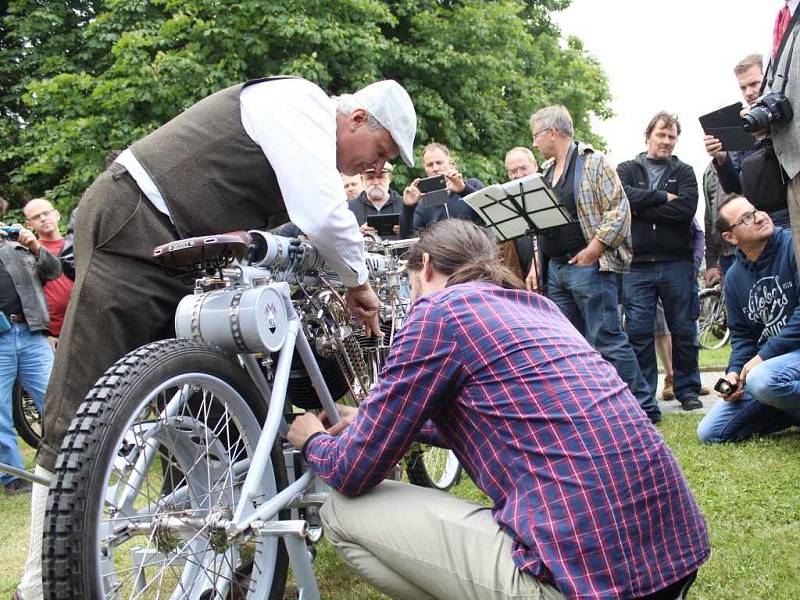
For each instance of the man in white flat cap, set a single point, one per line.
(252, 156)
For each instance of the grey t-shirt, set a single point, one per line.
(655, 169)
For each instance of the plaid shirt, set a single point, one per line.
(577, 475)
(603, 209)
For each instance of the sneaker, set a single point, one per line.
(690, 403)
(667, 393)
(15, 487)
(704, 391)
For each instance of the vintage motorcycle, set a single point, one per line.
(175, 479)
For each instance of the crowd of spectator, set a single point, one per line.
(624, 271)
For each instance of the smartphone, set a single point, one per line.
(723, 386)
(12, 233)
(432, 184)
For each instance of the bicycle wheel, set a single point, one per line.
(713, 329)
(151, 466)
(27, 419)
(433, 467)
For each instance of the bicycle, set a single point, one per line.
(175, 479)
(26, 416)
(713, 331)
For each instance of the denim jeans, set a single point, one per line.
(675, 284)
(588, 298)
(776, 382)
(737, 421)
(25, 355)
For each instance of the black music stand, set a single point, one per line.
(525, 206)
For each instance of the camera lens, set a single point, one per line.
(757, 119)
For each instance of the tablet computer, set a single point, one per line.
(384, 223)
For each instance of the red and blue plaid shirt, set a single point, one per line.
(578, 476)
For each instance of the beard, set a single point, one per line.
(376, 193)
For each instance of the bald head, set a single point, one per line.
(520, 162)
(42, 218)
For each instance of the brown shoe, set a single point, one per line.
(667, 393)
(704, 391)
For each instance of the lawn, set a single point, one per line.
(747, 491)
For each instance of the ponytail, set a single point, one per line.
(462, 251)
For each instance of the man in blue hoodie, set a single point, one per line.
(761, 295)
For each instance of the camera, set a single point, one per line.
(770, 108)
(12, 233)
(723, 386)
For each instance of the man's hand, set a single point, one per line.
(714, 149)
(26, 238)
(53, 341)
(455, 181)
(749, 366)
(302, 428)
(367, 229)
(712, 276)
(364, 305)
(347, 415)
(589, 255)
(411, 194)
(531, 280)
(738, 390)
(671, 196)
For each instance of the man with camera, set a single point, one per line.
(24, 352)
(421, 210)
(760, 389)
(774, 112)
(377, 199)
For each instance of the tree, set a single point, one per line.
(82, 78)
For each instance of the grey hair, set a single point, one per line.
(553, 117)
(522, 150)
(346, 103)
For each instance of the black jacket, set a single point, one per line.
(660, 230)
(419, 217)
(362, 208)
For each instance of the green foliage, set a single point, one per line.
(83, 78)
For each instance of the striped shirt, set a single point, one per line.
(577, 475)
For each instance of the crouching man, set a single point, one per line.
(761, 297)
(587, 500)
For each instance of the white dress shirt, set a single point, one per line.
(294, 123)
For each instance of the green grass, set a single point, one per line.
(748, 493)
(715, 358)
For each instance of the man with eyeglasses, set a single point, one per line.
(584, 257)
(42, 219)
(761, 297)
(519, 163)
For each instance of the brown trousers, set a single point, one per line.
(122, 298)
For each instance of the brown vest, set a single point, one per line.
(213, 177)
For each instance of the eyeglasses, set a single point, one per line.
(42, 215)
(522, 169)
(541, 131)
(746, 218)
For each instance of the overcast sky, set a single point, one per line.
(676, 55)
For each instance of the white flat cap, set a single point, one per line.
(391, 105)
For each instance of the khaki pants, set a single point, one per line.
(417, 543)
(793, 203)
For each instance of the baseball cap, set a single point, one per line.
(387, 168)
(391, 106)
